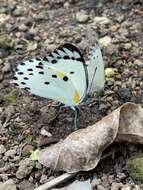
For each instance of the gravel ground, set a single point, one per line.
(32, 28)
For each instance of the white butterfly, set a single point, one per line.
(62, 75)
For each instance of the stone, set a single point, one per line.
(101, 187)
(43, 179)
(18, 12)
(22, 27)
(26, 185)
(124, 94)
(110, 72)
(29, 36)
(101, 20)
(116, 186)
(48, 114)
(96, 181)
(138, 63)
(8, 185)
(127, 46)
(126, 187)
(10, 153)
(27, 149)
(105, 41)
(121, 176)
(25, 168)
(2, 149)
(82, 16)
(135, 167)
(6, 68)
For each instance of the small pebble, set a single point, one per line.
(105, 41)
(10, 153)
(82, 16)
(29, 36)
(8, 185)
(95, 182)
(2, 149)
(101, 20)
(124, 94)
(101, 187)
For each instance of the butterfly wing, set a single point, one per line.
(56, 76)
(96, 70)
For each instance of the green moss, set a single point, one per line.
(10, 98)
(135, 167)
(5, 41)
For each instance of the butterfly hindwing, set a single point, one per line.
(96, 70)
(57, 76)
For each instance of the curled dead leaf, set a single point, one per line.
(81, 150)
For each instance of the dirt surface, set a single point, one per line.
(32, 28)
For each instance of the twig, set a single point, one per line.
(55, 182)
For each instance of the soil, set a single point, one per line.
(32, 28)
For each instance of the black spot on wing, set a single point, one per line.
(41, 72)
(29, 69)
(38, 59)
(66, 57)
(30, 73)
(46, 83)
(45, 59)
(26, 78)
(54, 61)
(31, 60)
(39, 67)
(23, 83)
(54, 76)
(26, 88)
(78, 59)
(15, 78)
(73, 58)
(71, 72)
(22, 63)
(20, 73)
(16, 84)
(65, 78)
(40, 63)
(16, 69)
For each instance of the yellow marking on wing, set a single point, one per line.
(76, 97)
(60, 74)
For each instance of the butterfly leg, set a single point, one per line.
(76, 110)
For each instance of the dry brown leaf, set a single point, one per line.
(81, 150)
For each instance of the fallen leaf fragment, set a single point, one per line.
(82, 150)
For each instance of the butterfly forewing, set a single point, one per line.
(60, 76)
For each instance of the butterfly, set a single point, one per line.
(62, 75)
